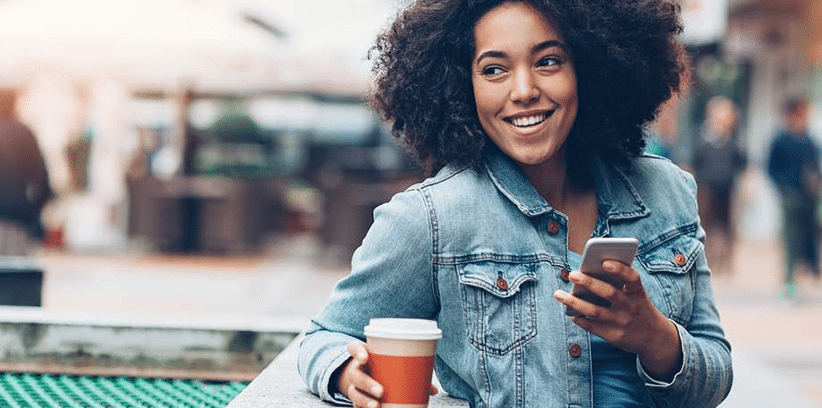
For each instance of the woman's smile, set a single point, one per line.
(528, 120)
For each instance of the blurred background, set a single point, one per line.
(192, 126)
(159, 120)
(204, 158)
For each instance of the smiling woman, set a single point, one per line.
(530, 115)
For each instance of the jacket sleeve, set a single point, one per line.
(706, 374)
(391, 276)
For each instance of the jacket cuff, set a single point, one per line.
(324, 391)
(681, 374)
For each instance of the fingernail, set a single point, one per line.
(610, 266)
(560, 295)
(574, 276)
(372, 404)
(376, 391)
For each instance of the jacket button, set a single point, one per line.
(565, 275)
(680, 260)
(553, 227)
(575, 350)
(502, 284)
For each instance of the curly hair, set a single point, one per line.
(625, 54)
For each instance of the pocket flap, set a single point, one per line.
(674, 256)
(500, 279)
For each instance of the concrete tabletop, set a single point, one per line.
(279, 385)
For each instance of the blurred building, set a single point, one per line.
(114, 75)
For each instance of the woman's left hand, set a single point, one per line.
(632, 323)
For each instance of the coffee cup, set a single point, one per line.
(401, 358)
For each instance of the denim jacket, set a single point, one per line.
(482, 253)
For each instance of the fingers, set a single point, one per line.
(360, 399)
(586, 285)
(572, 302)
(358, 351)
(596, 286)
(358, 386)
(629, 277)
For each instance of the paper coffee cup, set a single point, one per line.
(401, 358)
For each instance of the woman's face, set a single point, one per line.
(525, 87)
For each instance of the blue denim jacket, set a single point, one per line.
(439, 249)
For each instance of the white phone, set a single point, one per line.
(595, 252)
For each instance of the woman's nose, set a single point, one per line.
(524, 88)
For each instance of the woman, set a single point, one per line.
(531, 113)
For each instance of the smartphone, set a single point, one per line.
(595, 252)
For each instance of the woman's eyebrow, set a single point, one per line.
(491, 54)
(548, 44)
(535, 49)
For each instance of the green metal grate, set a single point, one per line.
(46, 390)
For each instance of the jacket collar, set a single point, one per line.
(616, 195)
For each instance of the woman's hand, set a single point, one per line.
(356, 384)
(632, 323)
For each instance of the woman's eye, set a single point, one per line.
(492, 70)
(549, 61)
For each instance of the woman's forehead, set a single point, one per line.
(517, 22)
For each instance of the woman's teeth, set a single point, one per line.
(528, 120)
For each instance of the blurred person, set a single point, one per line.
(191, 136)
(78, 149)
(718, 162)
(24, 181)
(530, 117)
(191, 206)
(794, 167)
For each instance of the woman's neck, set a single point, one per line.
(578, 204)
(550, 178)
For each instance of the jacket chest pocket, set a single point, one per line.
(499, 303)
(671, 266)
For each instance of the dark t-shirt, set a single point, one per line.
(24, 180)
(792, 158)
(716, 165)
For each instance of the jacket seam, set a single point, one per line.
(434, 226)
(502, 258)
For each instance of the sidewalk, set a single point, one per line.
(777, 348)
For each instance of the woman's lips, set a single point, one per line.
(527, 120)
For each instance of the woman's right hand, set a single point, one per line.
(353, 381)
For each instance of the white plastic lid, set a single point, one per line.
(403, 329)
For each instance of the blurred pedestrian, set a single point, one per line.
(191, 136)
(24, 181)
(717, 162)
(78, 149)
(794, 167)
